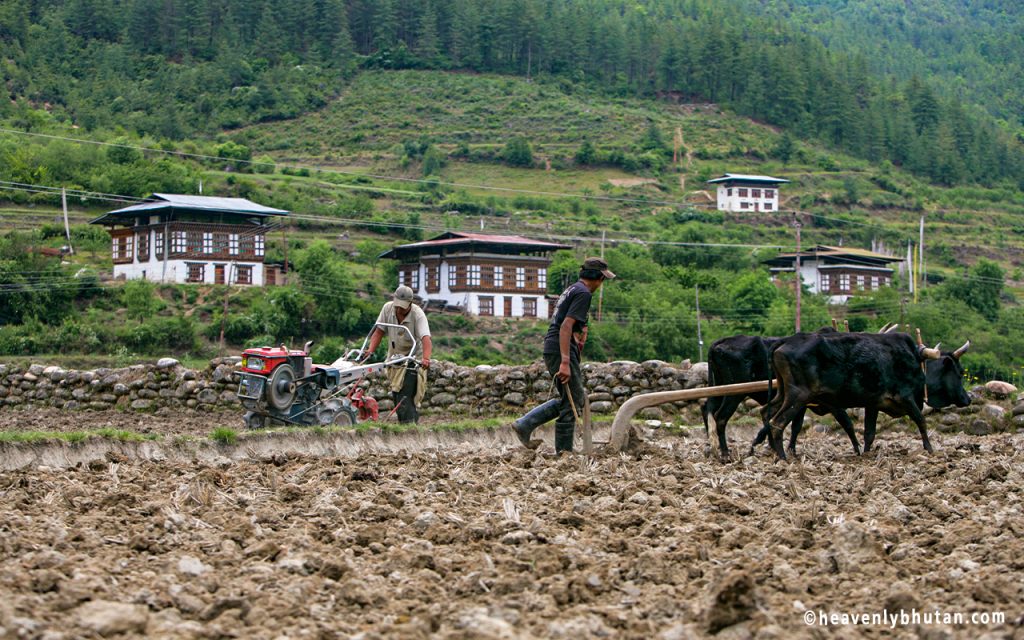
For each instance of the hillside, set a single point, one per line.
(971, 49)
(177, 69)
(470, 118)
(404, 154)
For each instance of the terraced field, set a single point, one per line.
(484, 539)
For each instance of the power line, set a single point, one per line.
(402, 225)
(422, 181)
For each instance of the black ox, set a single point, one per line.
(739, 359)
(879, 372)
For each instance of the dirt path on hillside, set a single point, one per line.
(509, 544)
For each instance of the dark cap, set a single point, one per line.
(598, 264)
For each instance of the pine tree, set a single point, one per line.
(923, 105)
(427, 45)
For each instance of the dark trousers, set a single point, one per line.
(575, 385)
(405, 399)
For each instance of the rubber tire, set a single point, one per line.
(282, 375)
(253, 420)
(345, 417)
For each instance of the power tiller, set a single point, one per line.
(282, 384)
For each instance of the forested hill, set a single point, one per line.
(970, 48)
(175, 68)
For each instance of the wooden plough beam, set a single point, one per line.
(629, 408)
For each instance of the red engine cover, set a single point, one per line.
(269, 357)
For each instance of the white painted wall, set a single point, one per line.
(470, 300)
(177, 271)
(732, 203)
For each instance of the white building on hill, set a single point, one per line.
(743, 193)
(192, 239)
(482, 274)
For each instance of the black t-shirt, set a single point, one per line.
(574, 303)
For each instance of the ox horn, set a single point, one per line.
(835, 325)
(889, 327)
(959, 352)
(929, 353)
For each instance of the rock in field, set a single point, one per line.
(111, 618)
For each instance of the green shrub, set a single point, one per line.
(518, 153)
(138, 297)
(224, 435)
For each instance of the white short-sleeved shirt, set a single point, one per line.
(398, 340)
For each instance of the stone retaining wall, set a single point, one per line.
(452, 389)
(456, 390)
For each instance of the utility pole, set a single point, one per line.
(284, 237)
(920, 255)
(600, 292)
(799, 278)
(700, 340)
(67, 227)
(224, 313)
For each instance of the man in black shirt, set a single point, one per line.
(566, 336)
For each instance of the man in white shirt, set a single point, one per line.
(408, 382)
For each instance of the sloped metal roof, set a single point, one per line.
(179, 202)
(845, 254)
(459, 238)
(741, 177)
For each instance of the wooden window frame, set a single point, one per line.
(243, 274)
(529, 307)
(191, 268)
(487, 305)
(247, 246)
(142, 246)
(433, 278)
(193, 242)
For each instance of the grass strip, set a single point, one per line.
(76, 436)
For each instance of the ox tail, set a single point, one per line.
(771, 378)
(710, 424)
(713, 433)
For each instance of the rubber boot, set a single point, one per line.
(564, 432)
(543, 413)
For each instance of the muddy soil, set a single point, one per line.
(165, 422)
(469, 543)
